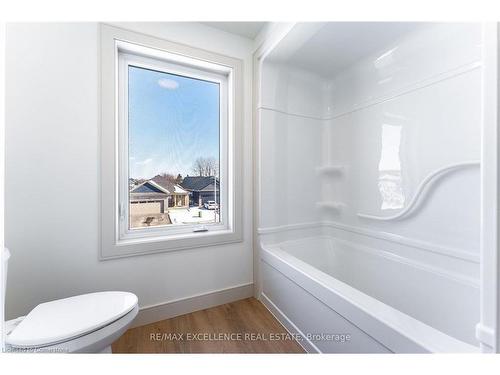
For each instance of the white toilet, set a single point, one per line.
(87, 323)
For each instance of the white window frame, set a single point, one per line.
(119, 50)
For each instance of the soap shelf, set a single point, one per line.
(330, 170)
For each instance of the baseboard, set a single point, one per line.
(170, 309)
(306, 344)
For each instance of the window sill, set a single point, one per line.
(159, 244)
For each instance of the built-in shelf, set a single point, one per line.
(330, 169)
(335, 206)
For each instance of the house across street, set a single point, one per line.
(201, 189)
(161, 201)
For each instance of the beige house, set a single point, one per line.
(155, 196)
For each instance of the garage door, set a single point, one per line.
(146, 208)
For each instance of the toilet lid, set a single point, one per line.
(65, 319)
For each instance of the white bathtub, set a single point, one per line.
(384, 303)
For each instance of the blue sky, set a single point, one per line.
(172, 121)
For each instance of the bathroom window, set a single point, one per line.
(170, 158)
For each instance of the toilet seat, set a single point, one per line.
(67, 319)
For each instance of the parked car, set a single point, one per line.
(210, 205)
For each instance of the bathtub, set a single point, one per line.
(337, 297)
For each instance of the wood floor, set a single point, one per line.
(244, 326)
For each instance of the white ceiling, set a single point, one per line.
(333, 46)
(245, 29)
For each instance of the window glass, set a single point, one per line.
(174, 149)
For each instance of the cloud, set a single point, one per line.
(144, 162)
(168, 84)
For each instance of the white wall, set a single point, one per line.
(2, 178)
(52, 169)
(290, 145)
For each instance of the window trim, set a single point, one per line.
(117, 44)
